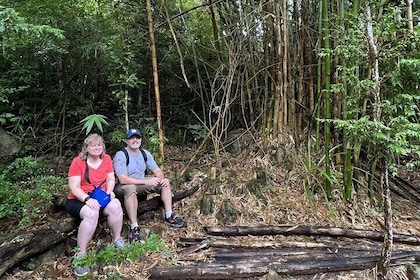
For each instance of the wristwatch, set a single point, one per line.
(86, 199)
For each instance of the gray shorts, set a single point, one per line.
(141, 190)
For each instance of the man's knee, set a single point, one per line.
(125, 191)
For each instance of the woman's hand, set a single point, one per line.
(93, 204)
(111, 194)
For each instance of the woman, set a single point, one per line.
(93, 167)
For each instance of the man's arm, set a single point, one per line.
(158, 173)
(124, 179)
(159, 178)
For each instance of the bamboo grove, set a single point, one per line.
(339, 77)
(333, 69)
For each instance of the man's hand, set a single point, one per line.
(164, 182)
(154, 181)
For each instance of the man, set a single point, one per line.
(130, 169)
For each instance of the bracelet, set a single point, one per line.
(86, 199)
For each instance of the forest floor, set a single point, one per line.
(283, 201)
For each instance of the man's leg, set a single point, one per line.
(169, 219)
(166, 196)
(131, 204)
(130, 201)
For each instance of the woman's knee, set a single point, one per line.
(113, 207)
(89, 214)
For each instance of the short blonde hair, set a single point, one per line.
(89, 140)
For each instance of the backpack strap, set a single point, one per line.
(144, 154)
(127, 158)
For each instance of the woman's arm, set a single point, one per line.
(110, 182)
(74, 185)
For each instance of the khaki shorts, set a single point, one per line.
(141, 190)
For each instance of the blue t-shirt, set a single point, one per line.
(136, 167)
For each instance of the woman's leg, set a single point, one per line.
(114, 214)
(87, 228)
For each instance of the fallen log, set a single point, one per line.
(241, 243)
(26, 245)
(335, 265)
(405, 189)
(257, 267)
(154, 202)
(310, 231)
(314, 254)
(193, 245)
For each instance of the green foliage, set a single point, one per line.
(314, 177)
(20, 38)
(23, 170)
(397, 132)
(92, 120)
(148, 128)
(26, 189)
(111, 255)
(198, 131)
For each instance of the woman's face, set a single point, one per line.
(95, 148)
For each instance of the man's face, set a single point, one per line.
(134, 142)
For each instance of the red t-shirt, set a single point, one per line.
(96, 176)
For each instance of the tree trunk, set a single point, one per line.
(388, 234)
(410, 16)
(327, 125)
(277, 88)
(155, 78)
(178, 49)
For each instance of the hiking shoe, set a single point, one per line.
(81, 270)
(134, 234)
(174, 222)
(119, 243)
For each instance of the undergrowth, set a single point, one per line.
(109, 255)
(27, 186)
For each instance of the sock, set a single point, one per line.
(168, 214)
(136, 224)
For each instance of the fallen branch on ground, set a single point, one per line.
(310, 231)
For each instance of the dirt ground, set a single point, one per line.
(286, 198)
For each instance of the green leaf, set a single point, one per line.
(91, 120)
